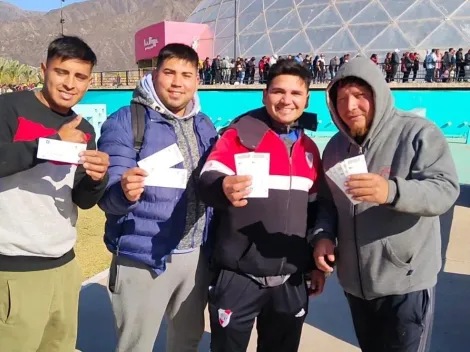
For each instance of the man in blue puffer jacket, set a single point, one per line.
(155, 232)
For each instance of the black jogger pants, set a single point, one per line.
(235, 301)
(398, 323)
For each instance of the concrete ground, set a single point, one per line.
(328, 326)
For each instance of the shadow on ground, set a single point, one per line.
(96, 331)
(328, 313)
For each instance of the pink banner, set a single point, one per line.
(149, 41)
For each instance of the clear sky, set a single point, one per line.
(40, 5)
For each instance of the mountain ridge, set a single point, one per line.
(9, 12)
(108, 26)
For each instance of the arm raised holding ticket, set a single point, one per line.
(91, 176)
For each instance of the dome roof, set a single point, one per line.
(334, 27)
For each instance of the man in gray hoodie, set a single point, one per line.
(388, 246)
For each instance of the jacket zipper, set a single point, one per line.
(118, 245)
(357, 245)
(289, 155)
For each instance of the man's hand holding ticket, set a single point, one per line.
(251, 181)
(353, 178)
(367, 187)
(236, 188)
(348, 167)
(72, 149)
(255, 165)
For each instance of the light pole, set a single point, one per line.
(62, 21)
(235, 37)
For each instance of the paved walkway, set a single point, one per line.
(328, 326)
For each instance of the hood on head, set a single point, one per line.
(363, 68)
(145, 94)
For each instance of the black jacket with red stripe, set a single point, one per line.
(267, 237)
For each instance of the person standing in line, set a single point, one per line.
(387, 248)
(40, 279)
(155, 230)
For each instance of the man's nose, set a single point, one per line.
(69, 82)
(286, 99)
(177, 80)
(352, 103)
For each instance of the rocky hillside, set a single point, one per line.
(108, 26)
(9, 12)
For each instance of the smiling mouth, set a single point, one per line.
(284, 110)
(66, 96)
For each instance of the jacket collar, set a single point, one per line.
(253, 126)
(158, 117)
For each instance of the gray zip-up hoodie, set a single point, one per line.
(393, 248)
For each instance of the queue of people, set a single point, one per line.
(248, 221)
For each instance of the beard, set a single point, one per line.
(359, 131)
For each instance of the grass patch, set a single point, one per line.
(91, 252)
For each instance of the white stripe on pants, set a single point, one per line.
(425, 343)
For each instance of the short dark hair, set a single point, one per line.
(289, 67)
(178, 51)
(69, 47)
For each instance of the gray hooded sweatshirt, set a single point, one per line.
(394, 248)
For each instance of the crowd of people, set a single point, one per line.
(250, 221)
(452, 66)
(10, 88)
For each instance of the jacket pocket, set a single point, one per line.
(8, 301)
(222, 284)
(393, 257)
(113, 279)
(385, 269)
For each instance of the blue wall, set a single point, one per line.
(442, 106)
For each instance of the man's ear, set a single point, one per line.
(154, 74)
(43, 70)
(265, 92)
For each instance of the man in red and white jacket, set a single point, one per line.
(261, 252)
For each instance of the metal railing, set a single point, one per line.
(129, 78)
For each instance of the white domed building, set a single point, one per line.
(334, 27)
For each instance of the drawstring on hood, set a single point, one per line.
(368, 71)
(145, 94)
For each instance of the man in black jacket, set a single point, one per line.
(217, 70)
(261, 252)
(460, 71)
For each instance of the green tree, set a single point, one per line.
(13, 72)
